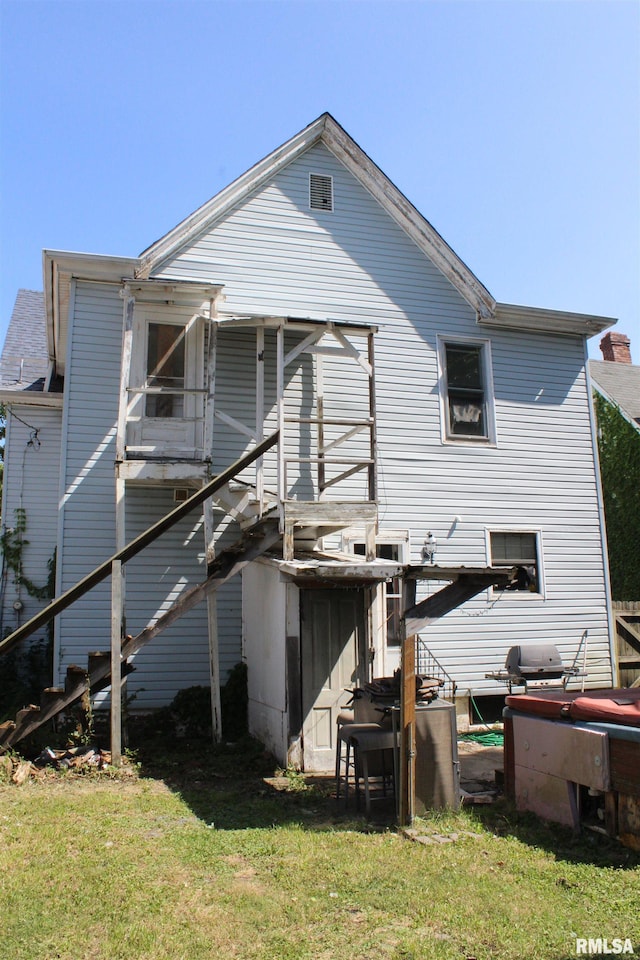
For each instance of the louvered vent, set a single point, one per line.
(320, 192)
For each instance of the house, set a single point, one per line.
(408, 422)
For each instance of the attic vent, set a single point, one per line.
(320, 192)
(180, 494)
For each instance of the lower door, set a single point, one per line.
(333, 654)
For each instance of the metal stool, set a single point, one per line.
(360, 740)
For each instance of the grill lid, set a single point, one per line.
(534, 661)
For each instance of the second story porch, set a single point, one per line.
(199, 387)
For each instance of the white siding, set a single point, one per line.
(87, 530)
(155, 579)
(275, 256)
(31, 482)
(179, 657)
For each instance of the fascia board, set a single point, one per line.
(509, 316)
(346, 150)
(16, 398)
(408, 218)
(80, 266)
(162, 249)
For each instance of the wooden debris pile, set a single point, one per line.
(80, 760)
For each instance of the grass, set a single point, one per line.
(207, 854)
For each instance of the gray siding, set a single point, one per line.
(276, 256)
(31, 481)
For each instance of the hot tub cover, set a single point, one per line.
(621, 705)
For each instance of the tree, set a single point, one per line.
(619, 450)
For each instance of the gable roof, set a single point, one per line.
(328, 131)
(25, 358)
(620, 384)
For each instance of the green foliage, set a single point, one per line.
(25, 671)
(217, 862)
(619, 450)
(12, 544)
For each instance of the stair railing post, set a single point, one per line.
(116, 659)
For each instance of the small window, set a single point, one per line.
(320, 192)
(517, 550)
(467, 400)
(393, 589)
(165, 370)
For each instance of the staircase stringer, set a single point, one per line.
(231, 561)
(134, 547)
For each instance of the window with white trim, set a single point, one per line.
(466, 389)
(517, 550)
(394, 551)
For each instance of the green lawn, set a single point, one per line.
(201, 857)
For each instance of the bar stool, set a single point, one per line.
(362, 739)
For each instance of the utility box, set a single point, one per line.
(437, 777)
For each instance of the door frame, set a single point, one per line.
(298, 707)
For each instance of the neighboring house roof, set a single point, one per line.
(620, 384)
(25, 359)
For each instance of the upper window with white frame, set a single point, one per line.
(518, 550)
(467, 392)
(395, 549)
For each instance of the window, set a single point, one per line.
(165, 370)
(467, 400)
(393, 588)
(518, 550)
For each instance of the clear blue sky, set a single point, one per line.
(513, 126)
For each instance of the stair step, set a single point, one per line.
(27, 713)
(50, 695)
(6, 729)
(76, 677)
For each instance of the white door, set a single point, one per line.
(166, 405)
(333, 652)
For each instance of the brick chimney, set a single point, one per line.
(616, 347)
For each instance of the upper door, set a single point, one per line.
(333, 653)
(166, 396)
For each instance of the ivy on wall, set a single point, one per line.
(619, 451)
(12, 543)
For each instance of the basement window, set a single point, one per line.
(320, 192)
(518, 550)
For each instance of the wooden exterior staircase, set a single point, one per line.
(255, 540)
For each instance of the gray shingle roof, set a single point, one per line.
(25, 360)
(619, 382)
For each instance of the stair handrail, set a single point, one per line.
(134, 547)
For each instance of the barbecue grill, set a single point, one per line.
(534, 666)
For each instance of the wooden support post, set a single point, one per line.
(407, 714)
(373, 484)
(210, 384)
(282, 492)
(320, 413)
(116, 658)
(125, 372)
(260, 414)
(212, 622)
